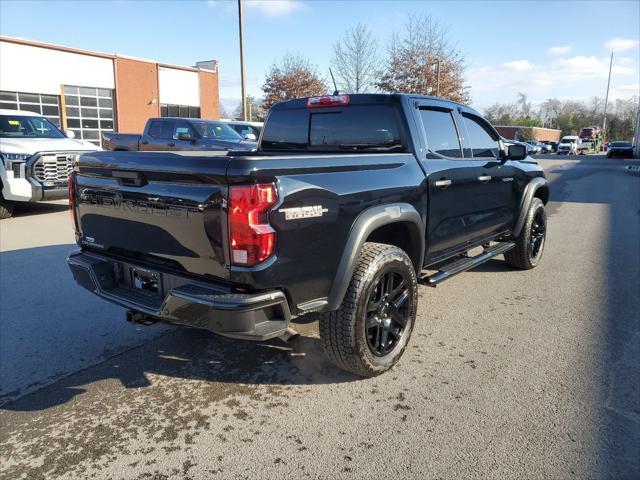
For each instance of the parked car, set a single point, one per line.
(247, 130)
(35, 159)
(620, 149)
(545, 147)
(568, 145)
(552, 146)
(171, 134)
(534, 148)
(349, 201)
(589, 133)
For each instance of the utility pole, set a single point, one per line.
(606, 102)
(242, 85)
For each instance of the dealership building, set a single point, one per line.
(90, 92)
(540, 134)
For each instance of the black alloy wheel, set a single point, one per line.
(538, 231)
(388, 312)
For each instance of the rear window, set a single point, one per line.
(355, 128)
(441, 132)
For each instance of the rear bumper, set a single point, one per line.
(250, 316)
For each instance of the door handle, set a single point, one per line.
(171, 144)
(442, 183)
(144, 142)
(484, 178)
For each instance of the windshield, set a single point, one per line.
(568, 140)
(620, 144)
(216, 131)
(18, 126)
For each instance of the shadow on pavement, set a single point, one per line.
(50, 327)
(26, 209)
(198, 355)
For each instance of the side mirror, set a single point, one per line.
(516, 152)
(70, 134)
(250, 136)
(184, 136)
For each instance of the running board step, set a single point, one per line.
(466, 263)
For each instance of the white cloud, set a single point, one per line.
(620, 44)
(224, 6)
(559, 50)
(274, 8)
(517, 65)
(581, 67)
(578, 76)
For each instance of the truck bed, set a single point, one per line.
(120, 141)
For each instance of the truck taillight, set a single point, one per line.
(72, 202)
(327, 101)
(252, 240)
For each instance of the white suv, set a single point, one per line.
(35, 159)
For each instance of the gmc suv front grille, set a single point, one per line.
(53, 169)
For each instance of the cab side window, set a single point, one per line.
(479, 139)
(441, 132)
(160, 129)
(181, 127)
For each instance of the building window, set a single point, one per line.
(183, 111)
(46, 105)
(90, 111)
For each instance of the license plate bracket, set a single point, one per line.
(146, 281)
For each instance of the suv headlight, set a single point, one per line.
(9, 158)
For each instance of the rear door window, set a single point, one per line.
(441, 132)
(180, 127)
(162, 129)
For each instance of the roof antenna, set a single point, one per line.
(335, 91)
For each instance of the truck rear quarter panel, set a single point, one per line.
(336, 189)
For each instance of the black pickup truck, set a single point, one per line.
(349, 203)
(171, 134)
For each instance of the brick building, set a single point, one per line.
(90, 92)
(534, 133)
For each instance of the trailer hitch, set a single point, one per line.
(140, 318)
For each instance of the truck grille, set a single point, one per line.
(53, 169)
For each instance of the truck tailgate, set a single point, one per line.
(156, 208)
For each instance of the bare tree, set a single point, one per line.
(255, 113)
(293, 77)
(355, 60)
(411, 62)
(525, 107)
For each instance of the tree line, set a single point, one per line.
(419, 59)
(569, 116)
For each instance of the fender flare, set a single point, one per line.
(527, 196)
(368, 221)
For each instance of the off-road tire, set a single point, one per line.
(343, 333)
(6, 208)
(521, 256)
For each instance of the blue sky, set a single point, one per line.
(544, 48)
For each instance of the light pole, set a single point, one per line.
(242, 85)
(437, 64)
(606, 102)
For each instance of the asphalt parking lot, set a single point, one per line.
(508, 374)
